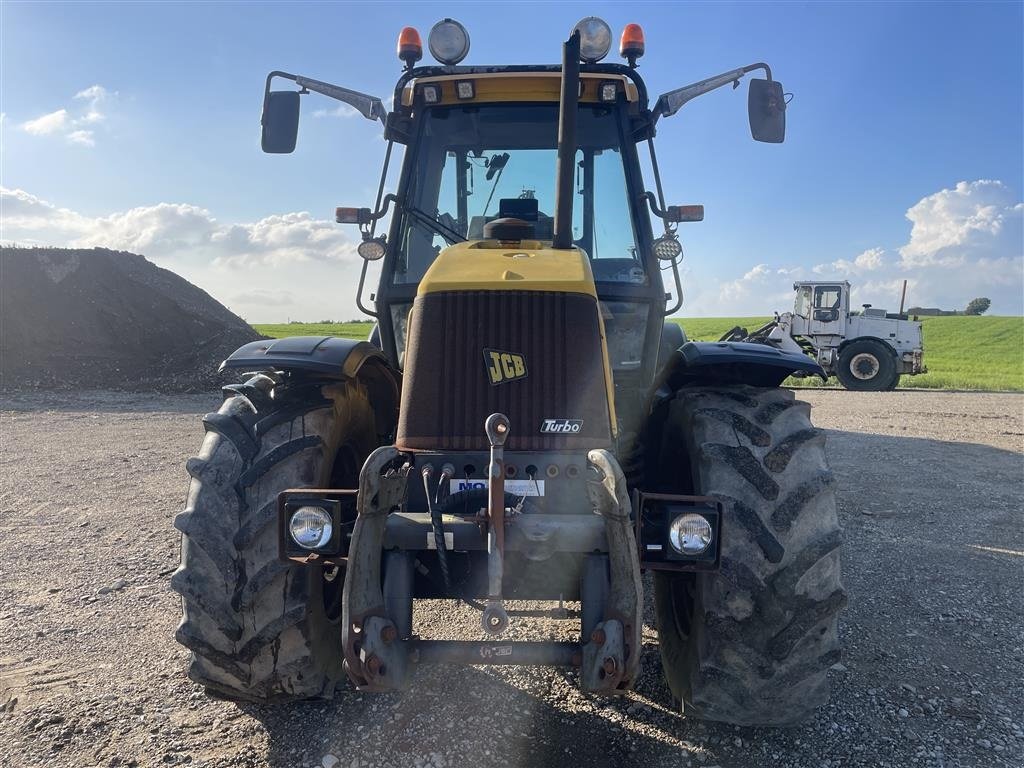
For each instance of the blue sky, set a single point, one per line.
(898, 108)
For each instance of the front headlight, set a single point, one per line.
(690, 534)
(310, 527)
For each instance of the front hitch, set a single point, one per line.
(611, 655)
(376, 657)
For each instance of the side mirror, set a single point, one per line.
(766, 108)
(280, 121)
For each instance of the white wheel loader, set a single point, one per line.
(867, 350)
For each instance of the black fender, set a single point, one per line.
(329, 357)
(672, 338)
(732, 362)
(325, 355)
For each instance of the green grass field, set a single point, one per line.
(353, 330)
(982, 353)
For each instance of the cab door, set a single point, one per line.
(828, 311)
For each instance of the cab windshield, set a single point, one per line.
(474, 163)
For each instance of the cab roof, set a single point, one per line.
(543, 78)
(491, 87)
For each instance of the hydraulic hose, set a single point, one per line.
(437, 524)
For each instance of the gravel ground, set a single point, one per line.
(931, 492)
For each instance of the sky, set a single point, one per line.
(136, 127)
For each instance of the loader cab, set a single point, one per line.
(821, 308)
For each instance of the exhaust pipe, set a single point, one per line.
(566, 165)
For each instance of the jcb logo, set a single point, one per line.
(504, 366)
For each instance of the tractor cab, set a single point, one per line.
(821, 308)
(481, 162)
(542, 163)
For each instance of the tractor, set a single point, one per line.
(523, 424)
(867, 351)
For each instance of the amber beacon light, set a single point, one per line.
(410, 47)
(631, 45)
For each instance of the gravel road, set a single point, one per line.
(931, 493)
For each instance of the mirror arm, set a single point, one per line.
(369, 107)
(652, 201)
(359, 291)
(387, 200)
(679, 288)
(670, 103)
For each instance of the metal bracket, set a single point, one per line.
(376, 658)
(611, 655)
(670, 103)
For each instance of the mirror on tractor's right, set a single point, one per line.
(766, 108)
(280, 121)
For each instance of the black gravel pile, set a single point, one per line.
(97, 318)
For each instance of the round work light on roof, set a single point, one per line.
(595, 39)
(448, 42)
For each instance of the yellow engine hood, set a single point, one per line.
(486, 265)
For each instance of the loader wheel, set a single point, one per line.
(867, 366)
(261, 629)
(751, 643)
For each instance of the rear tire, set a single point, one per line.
(752, 643)
(258, 628)
(867, 365)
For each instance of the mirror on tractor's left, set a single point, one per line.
(280, 121)
(766, 108)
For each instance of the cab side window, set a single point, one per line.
(827, 297)
(827, 301)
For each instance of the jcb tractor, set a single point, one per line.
(523, 424)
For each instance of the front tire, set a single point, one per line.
(258, 628)
(867, 365)
(752, 643)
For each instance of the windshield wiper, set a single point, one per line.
(436, 226)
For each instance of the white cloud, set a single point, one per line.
(953, 226)
(85, 138)
(92, 93)
(46, 124)
(96, 96)
(285, 266)
(342, 110)
(867, 261)
(23, 212)
(263, 298)
(87, 109)
(741, 288)
(179, 232)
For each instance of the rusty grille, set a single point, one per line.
(447, 393)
